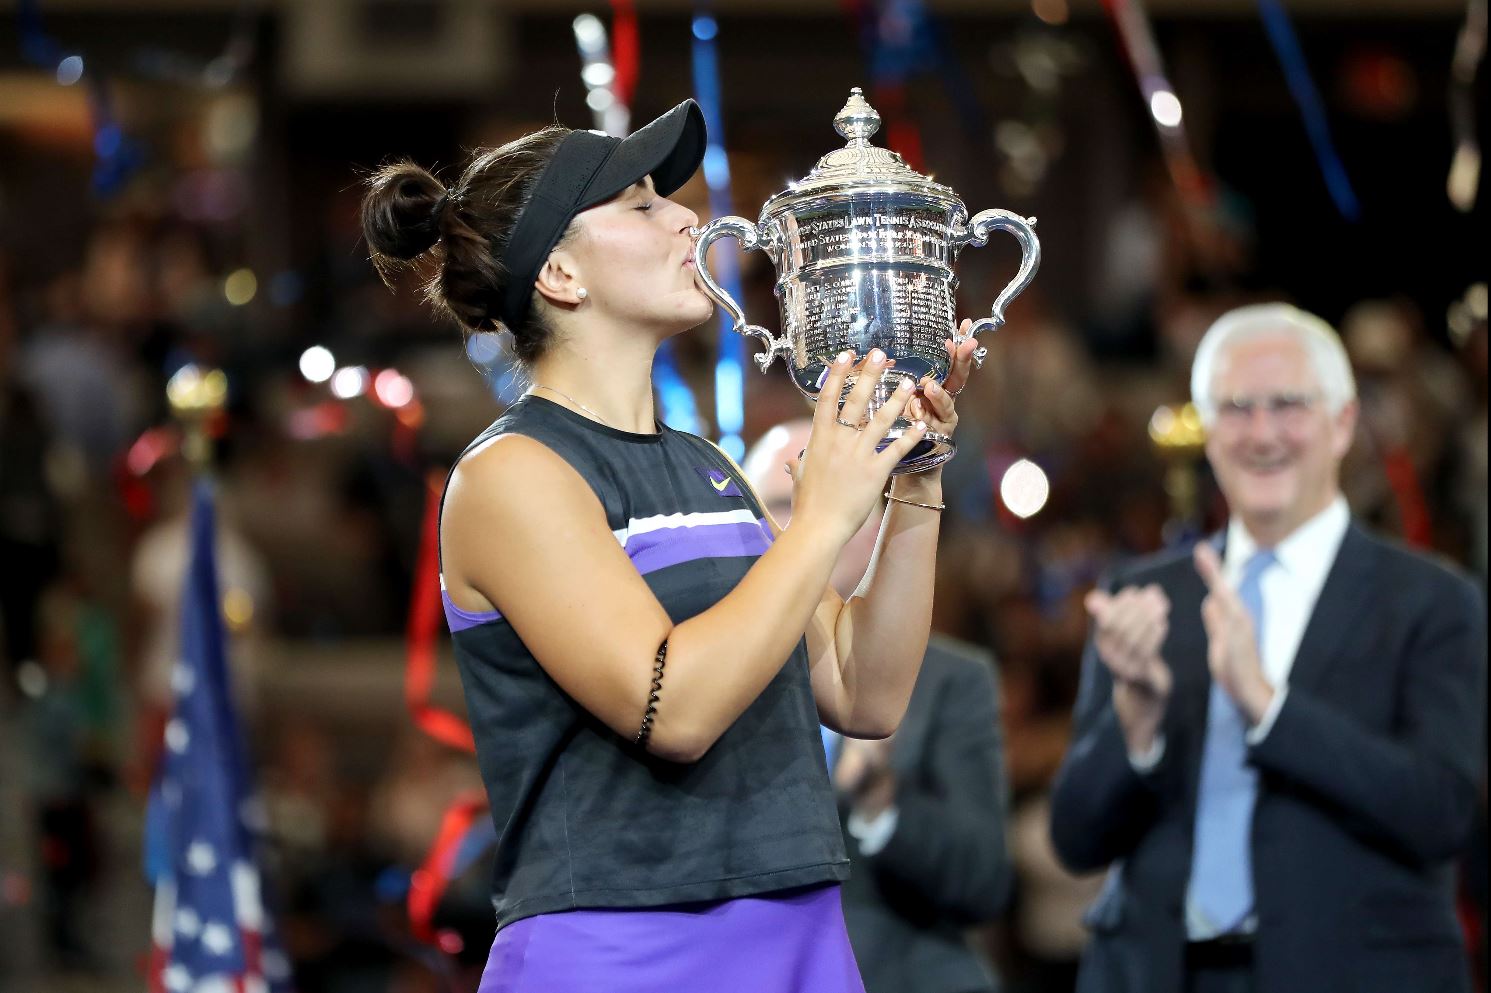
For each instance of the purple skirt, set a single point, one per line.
(790, 942)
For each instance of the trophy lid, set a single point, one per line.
(858, 164)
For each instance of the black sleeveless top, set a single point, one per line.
(585, 818)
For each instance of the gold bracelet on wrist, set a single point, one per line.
(939, 507)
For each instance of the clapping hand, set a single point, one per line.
(1129, 628)
(1232, 646)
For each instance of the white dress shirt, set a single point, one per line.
(1290, 588)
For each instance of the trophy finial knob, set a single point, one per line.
(858, 120)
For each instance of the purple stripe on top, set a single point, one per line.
(459, 620)
(651, 551)
(654, 550)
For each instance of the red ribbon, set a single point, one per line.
(430, 881)
(424, 625)
(626, 50)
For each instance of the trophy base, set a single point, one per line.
(933, 450)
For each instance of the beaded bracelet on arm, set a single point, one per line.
(657, 686)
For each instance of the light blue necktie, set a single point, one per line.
(1221, 884)
(831, 743)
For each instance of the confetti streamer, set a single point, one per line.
(729, 372)
(902, 39)
(1465, 167)
(1291, 56)
(612, 115)
(610, 87)
(1136, 35)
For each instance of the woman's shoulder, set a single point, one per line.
(529, 430)
(513, 468)
(530, 461)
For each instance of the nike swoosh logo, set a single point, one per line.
(719, 484)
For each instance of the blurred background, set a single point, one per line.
(179, 182)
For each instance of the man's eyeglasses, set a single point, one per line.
(1282, 408)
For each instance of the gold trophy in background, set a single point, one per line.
(1179, 439)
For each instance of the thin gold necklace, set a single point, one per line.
(541, 386)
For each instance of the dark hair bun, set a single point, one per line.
(399, 212)
(408, 212)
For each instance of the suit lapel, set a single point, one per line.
(1346, 594)
(1185, 650)
(1186, 654)
(1344, 597)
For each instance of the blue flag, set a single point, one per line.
(210, 932)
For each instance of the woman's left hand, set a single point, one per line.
(933, 401)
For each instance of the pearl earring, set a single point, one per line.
(582, 293)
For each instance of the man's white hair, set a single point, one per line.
(1319, 340)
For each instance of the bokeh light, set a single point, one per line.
(1024, 488)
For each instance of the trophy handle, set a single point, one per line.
(749, 236)
(977, 234)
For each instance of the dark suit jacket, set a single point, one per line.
(1367, 787)
(946, 866)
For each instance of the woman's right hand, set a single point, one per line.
(840, 476)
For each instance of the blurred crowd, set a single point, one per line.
(322, 487)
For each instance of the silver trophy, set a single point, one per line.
(864, 248)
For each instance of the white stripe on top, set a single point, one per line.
(643, 525)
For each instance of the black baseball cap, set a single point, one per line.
(588, 168)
